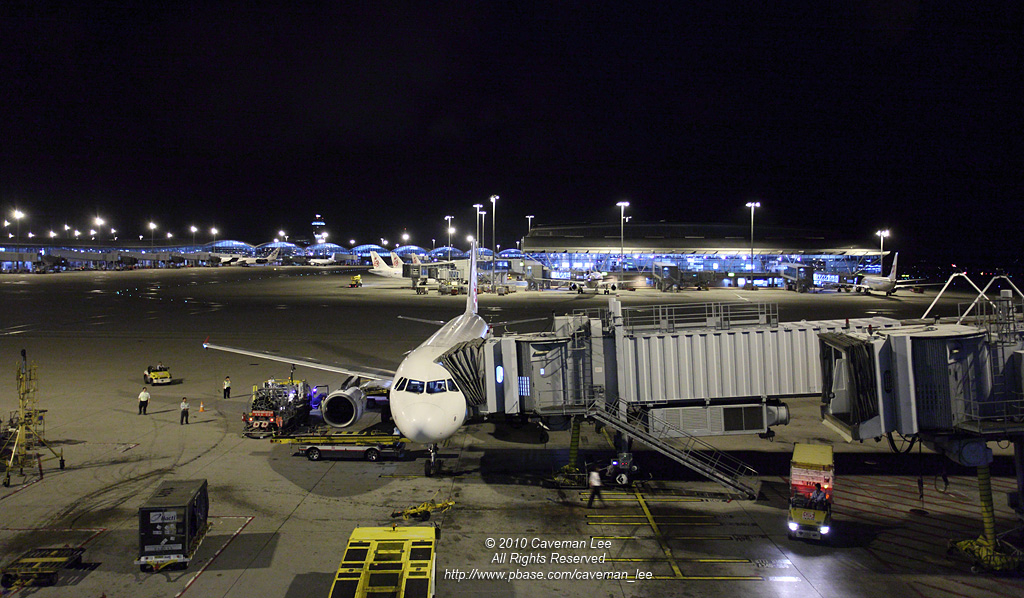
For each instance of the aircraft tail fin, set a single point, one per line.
(471, 300)
(274, 254)
(396, 262)
(892, 273)
(416, 260)
(375, 260)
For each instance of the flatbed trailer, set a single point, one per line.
(369, 445)
(39, 567)
(387, 561)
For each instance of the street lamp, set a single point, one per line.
(752, 205)
(529, 223)
(494, 236)
(194, 231)
(477, 206)
(483, 235)
(18, 215)
(450, 231)
(882, 234)
(622, 237)
(152, 234)
(213, 231)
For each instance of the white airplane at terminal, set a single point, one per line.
(425, 402)
(330, 261)
(255, 261)
(381, 268)
(592, 281)
(881, 284)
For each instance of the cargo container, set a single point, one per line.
(172, 524)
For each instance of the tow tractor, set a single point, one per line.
(811, 468)
(368, 444)
(280, 406)
(355, 281)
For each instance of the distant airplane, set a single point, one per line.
(881, 284)
(381, 268)
(322, 261)
(592, 281)
(254, 261)
(426, 404)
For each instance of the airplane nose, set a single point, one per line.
(424, 423)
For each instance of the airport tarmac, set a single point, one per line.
(281, 522)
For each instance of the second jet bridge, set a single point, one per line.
(665, 375)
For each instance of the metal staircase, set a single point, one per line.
(684, 448)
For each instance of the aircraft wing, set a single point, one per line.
(363, 372)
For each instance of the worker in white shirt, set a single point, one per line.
(143, 401)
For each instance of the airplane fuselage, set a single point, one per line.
(425, 402)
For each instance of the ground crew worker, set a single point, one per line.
(817, 497)
(184, 411)
(143, 401)
(227, 387)
(594, 480)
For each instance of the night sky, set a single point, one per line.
(388, 116)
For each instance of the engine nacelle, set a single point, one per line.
(343, 408)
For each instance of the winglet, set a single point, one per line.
(206, 342)
(471, 301)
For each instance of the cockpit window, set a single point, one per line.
(401, 384)
(451, 386)
(415, 386)
(435, 386)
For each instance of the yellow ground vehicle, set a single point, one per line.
(812, 468)
(387, 561)
(356, 280)
(157, 374)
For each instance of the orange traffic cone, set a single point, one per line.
(201, 407)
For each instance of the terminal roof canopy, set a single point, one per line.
(688, 238)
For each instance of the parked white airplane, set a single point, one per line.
(881, 284)
(381, 268)
(330, 261)
(425, 402)
(254, 261)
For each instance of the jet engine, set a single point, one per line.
(343, 408)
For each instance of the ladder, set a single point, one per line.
(685, 449)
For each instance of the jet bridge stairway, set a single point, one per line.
(685, 449)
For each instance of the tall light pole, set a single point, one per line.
(477, 206)
(494, 235)
(18, 215)
(483, 237)
(882, 234)
(194, 230)
(152, 235)
(213, 231)
(450, 231)
(752, 205)
(622, 238)
(529, 223)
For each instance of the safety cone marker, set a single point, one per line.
(201, 407)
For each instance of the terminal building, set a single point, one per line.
(716, 254)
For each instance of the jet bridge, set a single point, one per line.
(665, 375)
(953, 387)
